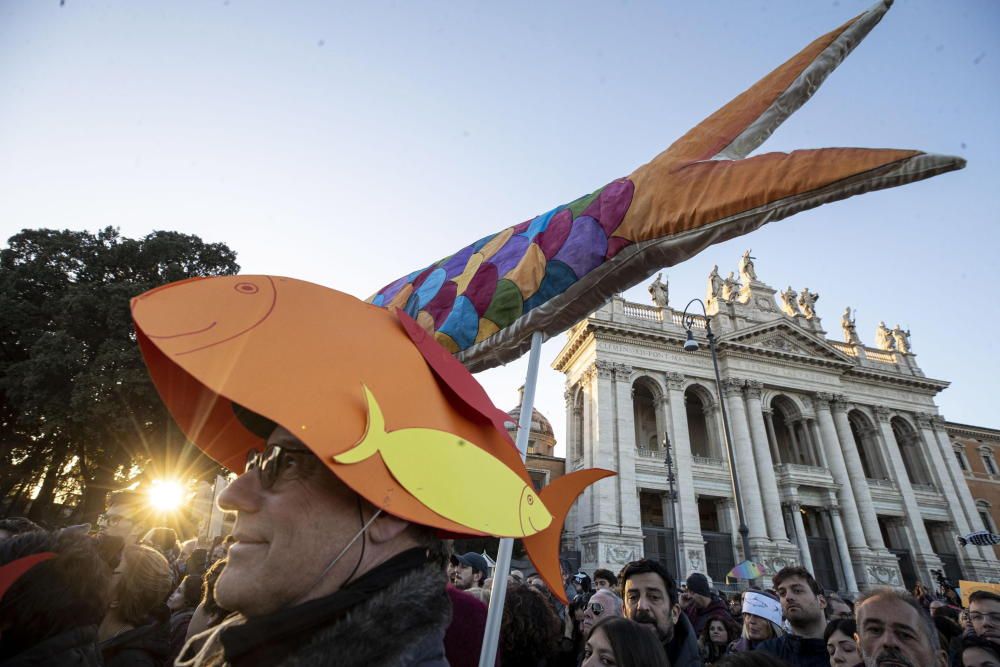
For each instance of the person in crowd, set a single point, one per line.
(15, 525)
(984, 613)
(651, 597)
(701, 604)
(750, 659)
(468, 570)
(735, 604)
(135, 630)
(208, 613)
(838, 607)
(165, 541)
(571, 643)
(894, 628)
(619, 642)
(515, 575)
(950, 633)
(581, 584)
(978, 652)
(951, 597)
(122, 518)
(602, 604)
(463, 640)
(605, 579)
(182, 604)
(715, 639)
(761, 620)
(53, 593)
(197, 562)
(922, 595)
(530, 629)
(803, 605)
(840, 643)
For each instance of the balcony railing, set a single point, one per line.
(710, 462)
(649, 453)
(882, 484)
(642, 312)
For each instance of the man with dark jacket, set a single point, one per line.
(702, 604)
(651, 597)
(803, 605)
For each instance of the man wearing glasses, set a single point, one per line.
(603, 604)
(984, 612)
(121, 518)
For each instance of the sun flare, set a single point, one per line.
(166, 495)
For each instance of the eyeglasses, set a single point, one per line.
(977, 617)
(270, 464)
(109, 520)
(596, 607)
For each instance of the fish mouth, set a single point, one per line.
(186, 333)
(533, 526)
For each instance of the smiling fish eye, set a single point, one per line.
(531, 499)
(246, 288)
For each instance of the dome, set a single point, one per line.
(539, 423)
(541, 437)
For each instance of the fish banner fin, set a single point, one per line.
(543, 547)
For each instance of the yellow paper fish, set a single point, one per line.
(452, 477)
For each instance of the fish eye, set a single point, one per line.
(246, 288)
(531, 499)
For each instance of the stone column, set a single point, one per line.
(958, 480)
(800, 535)
(765, 466)
(846, 563)
(923, 552)
(626, 483)
(743, 453)
(796, 449)
(690, 524)
(772, 438)
(814, 431)
(835, 457)
(856, 472)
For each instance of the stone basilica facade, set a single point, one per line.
(844, 463)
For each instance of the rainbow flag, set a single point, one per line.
(747, 570)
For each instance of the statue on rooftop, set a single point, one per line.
(850, 329)
(902, 340)
(714, 284)
(807, 300)
(788, 302)
(747, 271)
(660, 291)
(730, 287)
(884, 339)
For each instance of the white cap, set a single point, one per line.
(761, 605)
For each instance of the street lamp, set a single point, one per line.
(669, 462)
(691, 345)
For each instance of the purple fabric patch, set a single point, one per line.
(481, 287)
(611, 205)
(441, 304)
(552, 239)
(419, 280)
(616, 244)
(585, 248)
(522, 226)
(456, 263)
(392, 289)
(510, 254)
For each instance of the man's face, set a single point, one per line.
(800, 605)
(646, 601)
(602, 583)
(118, 522)
(978, 657)
(891, 632)
(985, 617)
(839, 609)
(463, 577)
(700, 601)
(602, 605)
(286, 536)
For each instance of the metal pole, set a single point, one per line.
(673, 506)
(491, 638)
(744, 532)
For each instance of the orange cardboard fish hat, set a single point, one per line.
(385, 408)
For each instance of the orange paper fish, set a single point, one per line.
(412, 437)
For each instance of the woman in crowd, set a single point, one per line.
(530, 628)
(164, 540)
(761, 620)
(619, 642)
(182, 603)
(53, 593)
(923, 595)
(840, 644)
(715, 639)
(135, 631)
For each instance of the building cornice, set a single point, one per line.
(954, 428)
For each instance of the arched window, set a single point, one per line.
(700, 429)
(911, 451)
(790, 430)
(644, 400)
(867, 444)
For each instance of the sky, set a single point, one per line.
(351, 143)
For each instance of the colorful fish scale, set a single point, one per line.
(467, 297)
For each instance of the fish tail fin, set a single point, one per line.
(374, 433)
(543, 547)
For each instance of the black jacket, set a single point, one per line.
(73, 648)
(683, 650)
(145, 646)
(797, 651)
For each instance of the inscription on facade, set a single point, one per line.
(638, 351)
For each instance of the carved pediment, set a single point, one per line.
(784, 338)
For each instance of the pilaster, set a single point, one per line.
(692, 544)
(765, 466)
(732, 388)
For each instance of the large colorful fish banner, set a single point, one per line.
(483, 302)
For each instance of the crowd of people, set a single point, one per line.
(312, 575)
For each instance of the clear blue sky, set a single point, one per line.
(350, 143)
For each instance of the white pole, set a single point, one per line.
(487, 657)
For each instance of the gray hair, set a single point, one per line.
(929, 629)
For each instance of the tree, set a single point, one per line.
(75, 397)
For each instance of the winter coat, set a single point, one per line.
(144, 646)
(73, 648)
(797, 651)
(394, 615)
(683, 649)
